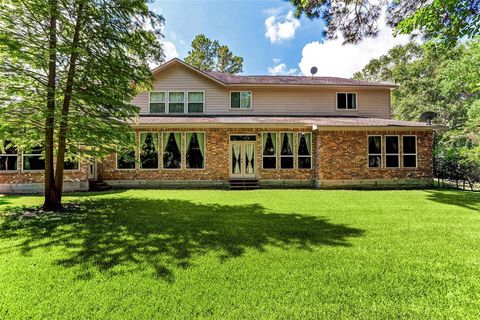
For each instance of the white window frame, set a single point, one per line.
(140, 151)
(149, 101)
(135, 159)
(75, 170)
(392, 154)
(294, 146)
(204, 151)
(311, 150)
(186, 98)
(375, 154)
(182, 160)
(240, 109)
(346, 108)
(410, 154)
(167, 107)
(11, 155)
(277, 135)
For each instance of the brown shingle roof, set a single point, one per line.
(293, 80)
(280, 120)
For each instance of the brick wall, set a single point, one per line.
(217, 159)
(343, 156)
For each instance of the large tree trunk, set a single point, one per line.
(51, 201)
(62, 135)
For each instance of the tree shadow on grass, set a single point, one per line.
(166, 234)
(466, 199)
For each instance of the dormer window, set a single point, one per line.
(157, 102)
(241, 100)
(346, 100)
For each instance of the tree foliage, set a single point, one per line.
(208, 55)
(443, 20)
(434, 78)
(67, 74)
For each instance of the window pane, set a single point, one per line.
(71, 165)
(33, 163)
(409, 145)
(269, 163)
(410, 161)
(374, 161)
(304, 162)
(195, 150)
(196, 97)
(175, 108)
(245, 100)
(352, 101)
(304, 144)
(235, 100)
(392, 161)
(195, 107)
(156, 97)
(8, 163)
(269, 143)
(286, 162)
(149, 150)
(375, 144)
(341, 100)
(126, 157)
(8, 148)
(286, 143)
(391, 144)
(172, 150)
(157, 107)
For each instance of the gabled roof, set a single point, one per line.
(225, 79)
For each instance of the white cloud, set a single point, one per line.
(170, 50)
(278, 31)
(334, 59)
(280, 69)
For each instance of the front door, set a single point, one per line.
(92, 170)
(242, 159)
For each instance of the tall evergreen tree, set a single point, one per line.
(67, 72)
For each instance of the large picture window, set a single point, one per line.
(126, 156)
(157, 102)
(195, 155)
(374, 151)
(172, 150)
(286, 150)
(346, 101)
(392, 157)
(240, 100)
(409, 151)
(33, 159)
(176, 102)
(269, 152)
(8, 157)
(304, 150)
(195, 102)
(148, 150)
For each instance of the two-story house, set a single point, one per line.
(206, 129)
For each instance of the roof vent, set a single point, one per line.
(313, 71)
(428, 116)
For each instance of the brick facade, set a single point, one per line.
(337, 155)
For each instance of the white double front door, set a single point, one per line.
(242, 159)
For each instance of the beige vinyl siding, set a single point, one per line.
(371, 102)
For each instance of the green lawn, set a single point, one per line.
(159, 254)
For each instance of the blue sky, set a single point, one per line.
(267, 35)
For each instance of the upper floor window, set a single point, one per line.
(346, 100)
(240, 100)
(157, 102)
(195, 102)
(8, 157)
(176, 102)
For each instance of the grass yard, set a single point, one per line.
(157, 254)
